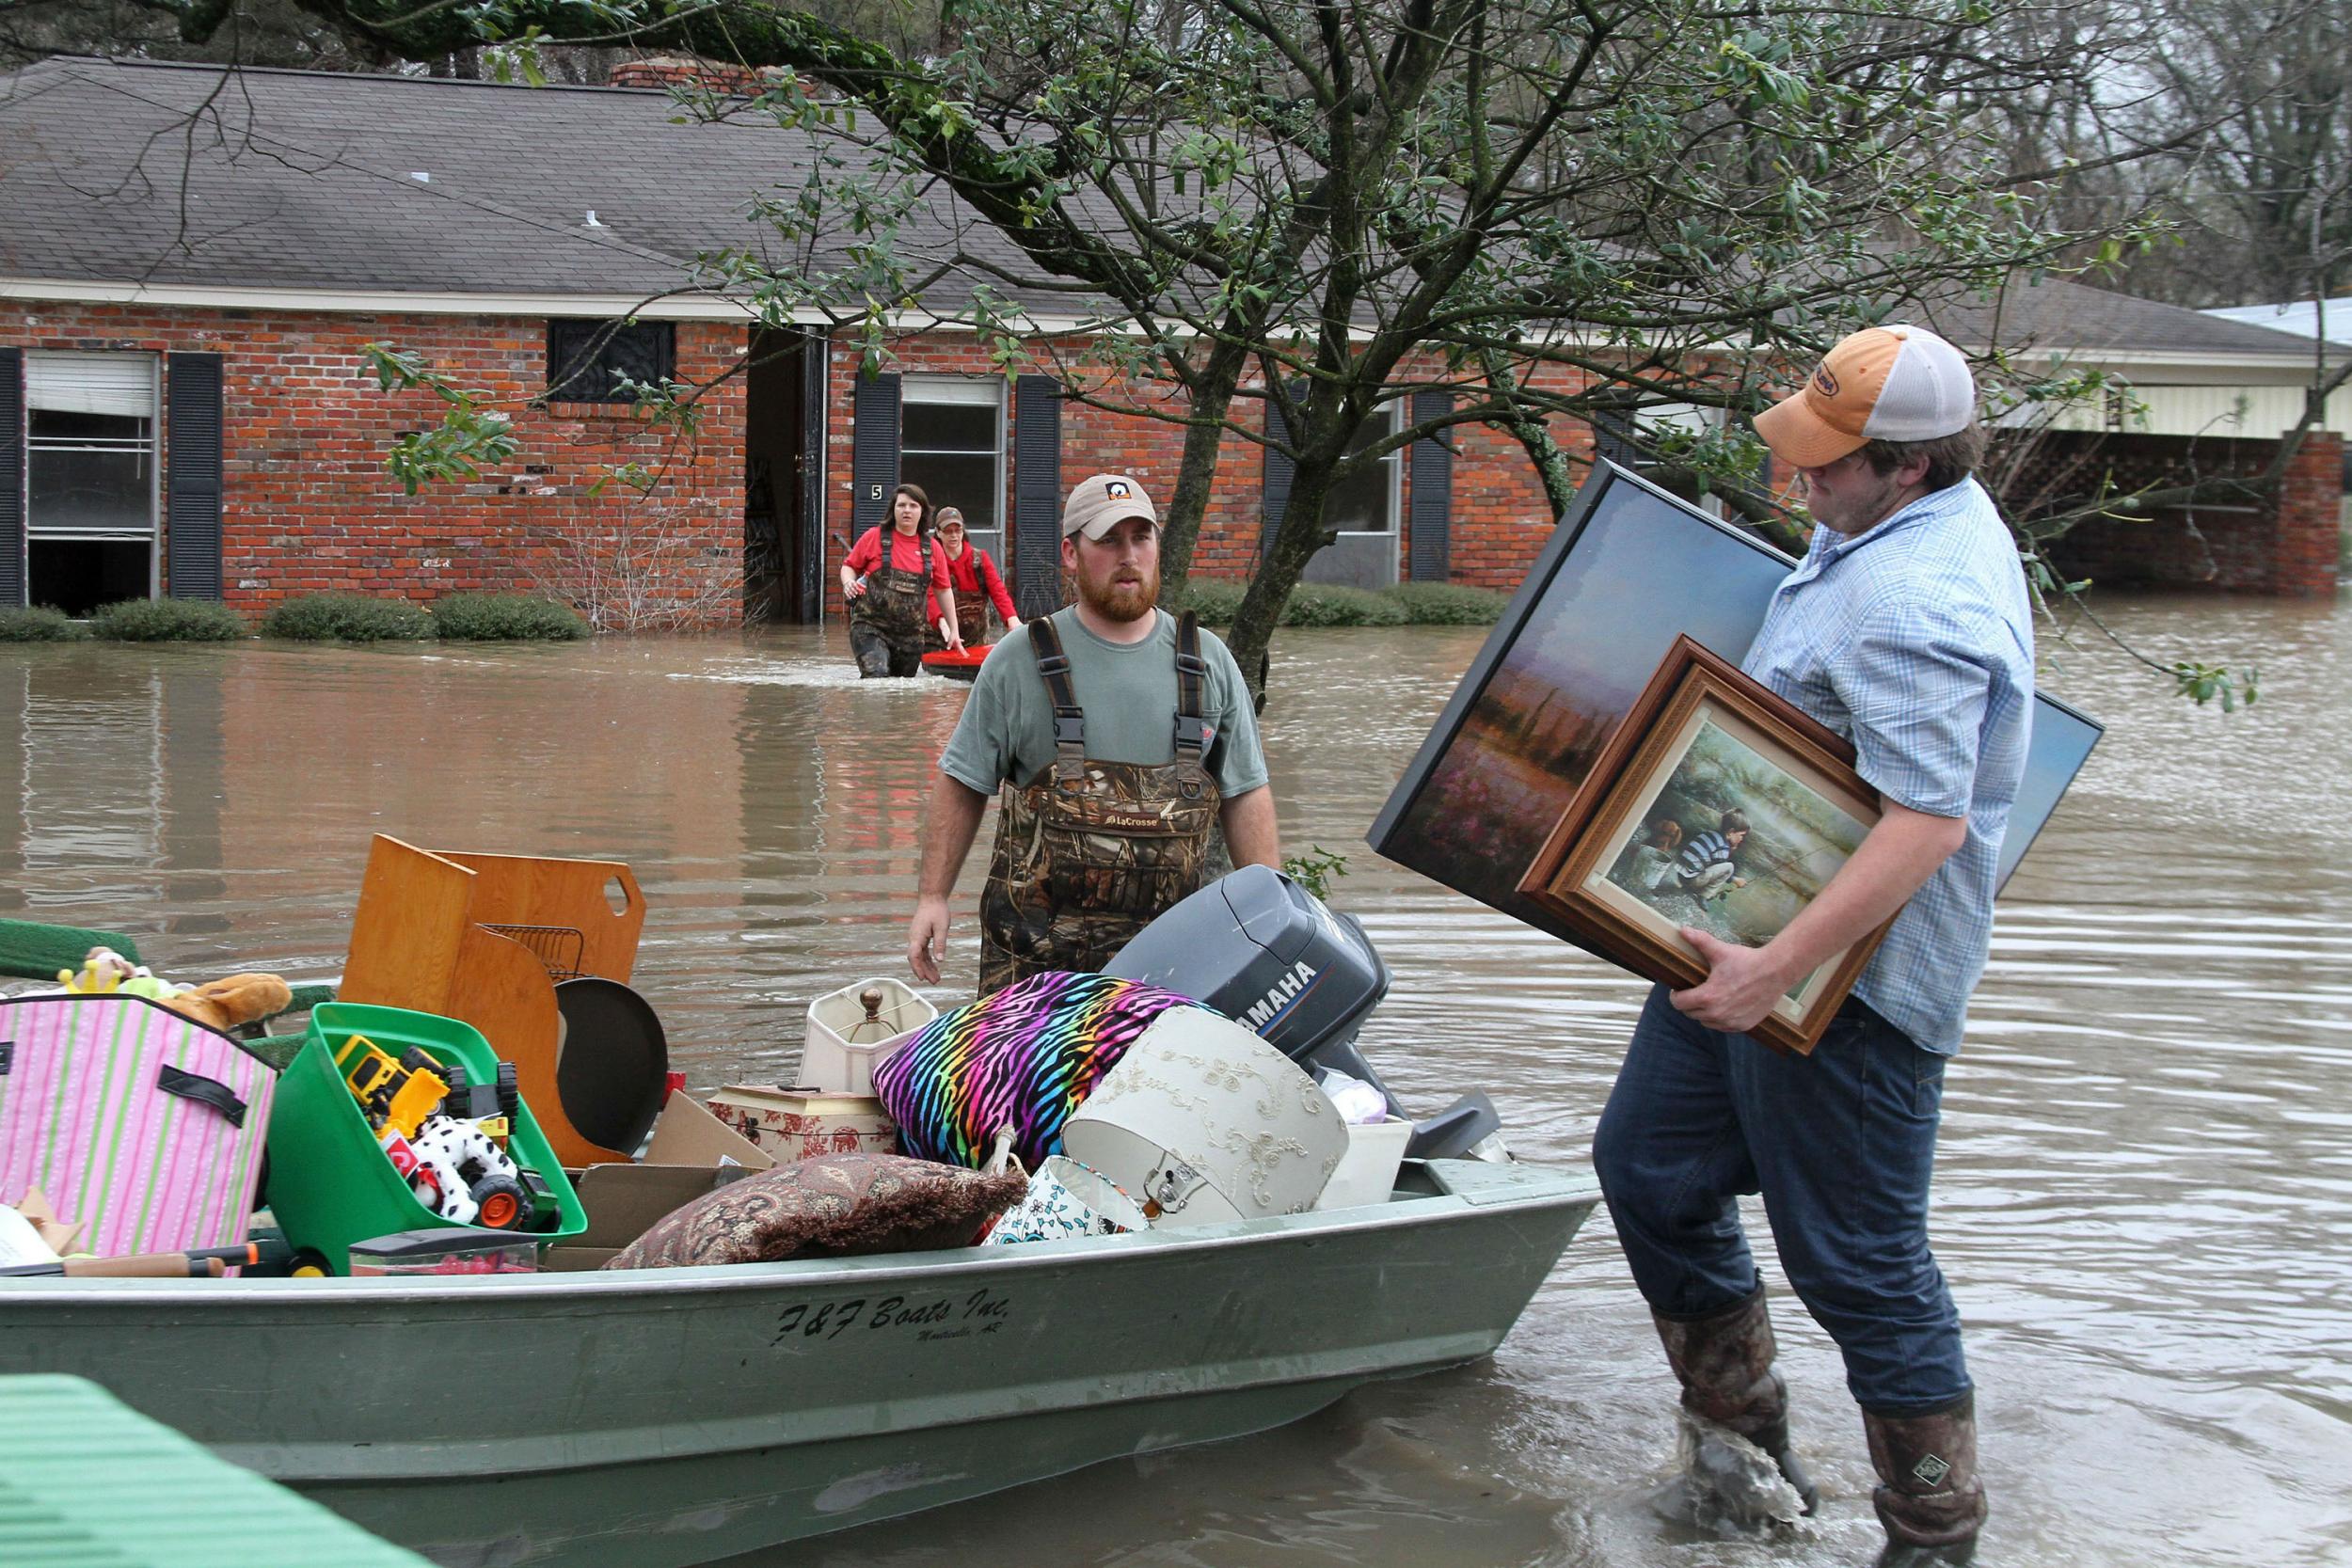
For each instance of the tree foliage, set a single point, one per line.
(1285, 218)
(1300, 212)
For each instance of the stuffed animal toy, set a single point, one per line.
(232, 1000)
(221, 1004)
(107, 973)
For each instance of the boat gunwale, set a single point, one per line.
(1564, 1189)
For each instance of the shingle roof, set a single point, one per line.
(120, 171)
(165, 174)
(2053, 314)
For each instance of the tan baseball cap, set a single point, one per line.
(1881, 384)
(1102, 503)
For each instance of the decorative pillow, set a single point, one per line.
(833, 1206)
(1024, 1058)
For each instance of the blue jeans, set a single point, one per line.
(1842, 1146)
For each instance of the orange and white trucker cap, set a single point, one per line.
(1100, 503)
(1881, 384)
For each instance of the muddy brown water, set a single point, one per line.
(2146, 1173)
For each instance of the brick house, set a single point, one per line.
(191, 264)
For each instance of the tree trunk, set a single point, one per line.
(1295, 545)
(1532, 432)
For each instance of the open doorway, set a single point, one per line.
(783, 477)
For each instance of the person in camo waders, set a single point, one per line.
(976, 582)
(1119, 735)
(894, 591)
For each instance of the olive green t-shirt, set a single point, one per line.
(1128, 694)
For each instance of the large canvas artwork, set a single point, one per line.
(1629, 569)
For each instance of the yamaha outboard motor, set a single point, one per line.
(1264, 951)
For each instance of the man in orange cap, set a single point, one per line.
(1906, 629)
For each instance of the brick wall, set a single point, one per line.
(2286, 545)
(307, 504)
(1499, 516)
(2311, 519)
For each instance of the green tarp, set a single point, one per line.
(85, 1482)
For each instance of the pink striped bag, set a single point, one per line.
(143, 1127)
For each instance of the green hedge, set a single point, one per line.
(167, 621)
(1328, 604)
(40, 623)
(1218, 600)
(506, 617)
(1447, 604)
(346, 618)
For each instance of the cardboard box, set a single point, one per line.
(799, 1123)
(691, 1154)
(688, 1134)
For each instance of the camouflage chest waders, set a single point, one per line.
(971, 618)
(1089, 853)
(886, 622)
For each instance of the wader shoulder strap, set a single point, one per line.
(1192, 672)
(1070, 724)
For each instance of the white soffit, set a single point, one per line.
(696, 306)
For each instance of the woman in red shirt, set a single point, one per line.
(895, 599)
(973, 576)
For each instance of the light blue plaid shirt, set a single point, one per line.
(1915, 641)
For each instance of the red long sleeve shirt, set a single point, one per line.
(976, 573)
(906, 554)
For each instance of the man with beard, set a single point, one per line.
(1118, 736)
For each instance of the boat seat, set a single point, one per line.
(30, 950)
(33, 950)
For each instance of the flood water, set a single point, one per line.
(2146, 1179)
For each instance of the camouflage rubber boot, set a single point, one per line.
(1723, 1361)
(1928, 1497)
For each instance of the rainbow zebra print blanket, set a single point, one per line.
(1025, 1057)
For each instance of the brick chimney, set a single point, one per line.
(666, 71)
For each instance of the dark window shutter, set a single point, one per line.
(1278, 469)
(1036, 494)
(11, 477)
(873, 452)
(1615, 434)
(1433, 491)
(192, 509)
(816, 359)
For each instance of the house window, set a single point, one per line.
(587, 360)
(89, 478)
(1628, 431)
(1657, 431)
(1366, 502)
(951, 442)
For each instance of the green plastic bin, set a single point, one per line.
(329, 1183)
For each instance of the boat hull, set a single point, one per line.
(659, 1418)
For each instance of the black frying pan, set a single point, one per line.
(614, 1064)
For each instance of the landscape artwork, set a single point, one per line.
(1629, 569)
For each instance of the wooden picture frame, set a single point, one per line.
(1702, 742)
(1626, 568)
